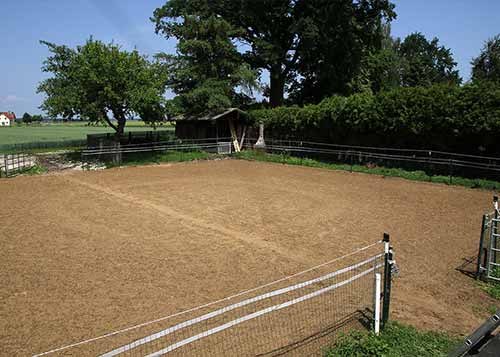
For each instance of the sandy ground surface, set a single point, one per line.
(85, 253)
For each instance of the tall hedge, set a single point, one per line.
(440, 117)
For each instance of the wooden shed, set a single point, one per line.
(230, 125)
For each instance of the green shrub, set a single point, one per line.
(135, 159)
(396, 340)
(358, 344)
(440, 117)
(492, 287)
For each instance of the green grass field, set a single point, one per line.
(20, 134)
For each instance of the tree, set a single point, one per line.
(207, 69)
(425, 63)
(337, 37)
(26, 118)
(316, 40)
(95, 80)
(487, 65)
(383, 67)
(37, 118)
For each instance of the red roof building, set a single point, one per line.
(7, 118)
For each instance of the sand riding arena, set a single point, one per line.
(86, 254)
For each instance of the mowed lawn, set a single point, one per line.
(61, 132)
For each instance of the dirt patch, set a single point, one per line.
(86, 253)
(60, 162)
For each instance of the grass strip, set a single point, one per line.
(137, 159)
(376, 170)
(395, 340)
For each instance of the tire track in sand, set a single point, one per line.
(195, 222)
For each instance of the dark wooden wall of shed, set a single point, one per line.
(202, 129)
(195, 129)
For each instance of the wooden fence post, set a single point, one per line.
(6, 162)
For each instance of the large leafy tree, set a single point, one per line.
(336, 38)
(98, 82)
(487, 65)
(381, 68)
(27, 118)
(426, 62)
(271, 29)
(207, 72)
(320, 41)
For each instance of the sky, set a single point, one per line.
(462, 25)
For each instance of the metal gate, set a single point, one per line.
(488, 261)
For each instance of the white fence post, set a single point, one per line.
(378, 279)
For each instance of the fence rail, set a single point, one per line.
(432, 162)
(11, 164)
(116, 151)
(42, 145)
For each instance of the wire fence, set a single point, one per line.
(11, 164)
(118, 152)
(39, 145)
(301, 314)
(132, 137)
(430, 161)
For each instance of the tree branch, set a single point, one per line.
(108, 121)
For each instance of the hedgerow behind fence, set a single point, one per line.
(448, 118)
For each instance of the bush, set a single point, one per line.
(440, 117)
(394, 341)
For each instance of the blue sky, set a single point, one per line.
(462, 25)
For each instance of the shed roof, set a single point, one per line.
(207, 116)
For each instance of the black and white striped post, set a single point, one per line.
(388, 260)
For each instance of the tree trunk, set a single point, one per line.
(121, 126)
(121, 120)
(277, 89)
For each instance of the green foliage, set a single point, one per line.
(358, 344)
(487, 65)
(383, 67)
(439, 117)
(96, 79)
(493, 308)
(26, 118)
(31, 171)
(207, 69)
(321, 41)
(37, 118)
(335, 37)
(492, 287)
(426, 62)
(34, 170)
(382, 171)
(413, 62)
(137, 159)
(395, 340)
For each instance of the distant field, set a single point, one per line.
(61, 132)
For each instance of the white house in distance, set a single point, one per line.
(7, 118)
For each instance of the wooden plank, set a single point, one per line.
(234, 137)
(243, 136)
